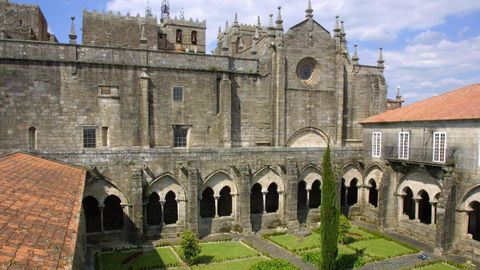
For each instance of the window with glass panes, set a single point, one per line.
(180, 137)
(376, 144)
(439, 146)
(177, 93)
(89, 138)
(403, 143)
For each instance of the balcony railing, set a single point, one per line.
(421, 155)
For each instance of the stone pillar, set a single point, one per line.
(192, 203)
(433, 212)
(145, 217)
(281, 203)
(234, 206)
(101, 207)
(144, 115)
(417, 207)
(308, 198)
(135, 221)
(446, 212)
(400, 204)
(279, 106)
(291, 188)
(264, 194)
(345, 199)
(226, 109)
(216, 197)
(244, 177)
(162, 216)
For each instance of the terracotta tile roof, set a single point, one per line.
(40, 202)
(459, 104)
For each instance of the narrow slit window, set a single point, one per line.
(32, 138)
(179, 36)
(89, 138)
(194, 37)
(105, 136)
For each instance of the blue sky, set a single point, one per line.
(430, 46)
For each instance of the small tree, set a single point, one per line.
(344, 226)
(329, 215)
(189, 247)
(275, 264)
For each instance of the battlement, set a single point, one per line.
(183, 22)
(119, 16)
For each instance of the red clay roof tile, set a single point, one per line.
(40, 203)
(459, 104)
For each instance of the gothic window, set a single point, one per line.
(424, 208)
(225, 202)
(32, 138)
(194, 37)
(315, 195)
(207, 204)
(177, 93)
(301, 195)
(408, 204)
(306, 69)
(474, 221)
(256, 199)
(376, 144)
(154, 210)
(180, 136)
(112, 214)
(179, 36)
(352, 192)
(92, 214)
(439, 146)
(170, 208)
(403, 145)
(89, 137)
(373, 193)
(272, 198)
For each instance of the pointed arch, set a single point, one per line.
(374, 172)
(218, 180)
(350, 172)
(101, 188)
(308, 137)
(165, 183)
(310, 174)
(265, 177)
(418, 180)
(472, 195)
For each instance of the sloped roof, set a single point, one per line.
(459, 104)
(40, 203)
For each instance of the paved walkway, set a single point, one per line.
(276, 252)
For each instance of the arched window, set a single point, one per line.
(32, 138)
(272, 198)
(315, 195)
(154, 210)
(424, 208)
(170, 208)
(179, 36)
(225, 202)
(352, 192)
(194, 37)
(112, 214)
(256, 199)
(301, 195)
(474, 221)
(92, 214)
(207, 204)
(373, 193)
(408, 204)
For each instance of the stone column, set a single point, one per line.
(400, 204)
(192, 203)
(244, 219)
(433, 212)
(134, 224)
(144, 115)
(226, 109)
(308, 198)
(281, 202)
(417, 207)
(291, 188)
(145, 217)
(346, 196)
(101, 207)
(216, 197)
(162, 216)
(264, 193)
(234, 206)
(466, 217)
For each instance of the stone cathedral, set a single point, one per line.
(174, 138)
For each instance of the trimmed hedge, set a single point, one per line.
(275, 264)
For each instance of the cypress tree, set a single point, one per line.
(329, 216)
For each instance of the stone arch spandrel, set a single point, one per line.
(309, 174)
(165, 183)
(351, 172)
(470, 196)
(308, 137)
(100, 189)
(374, 173)
(265, 177)
(219, 180)
(418, 181)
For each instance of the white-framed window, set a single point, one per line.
(403, 144)
(439, 146)
(376, 144)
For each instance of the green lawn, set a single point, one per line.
(232, 265)
(159, 257)
(438, 266)
(294, 243)
(223, 251)
(381, 248)
(358, 234)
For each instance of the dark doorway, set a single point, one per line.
(272, 198)
(256, 199)
(92, 214)
(424, 208)
(301, 195)
(225, 202)
(373, 193)
(154, 210)
(112, 214)
(207, 204)
(315, 195)
(170, 208)
(352, 197)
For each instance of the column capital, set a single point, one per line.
(216, 197)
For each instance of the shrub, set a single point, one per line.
(275, 264)
(189, 247)
(344, 226)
